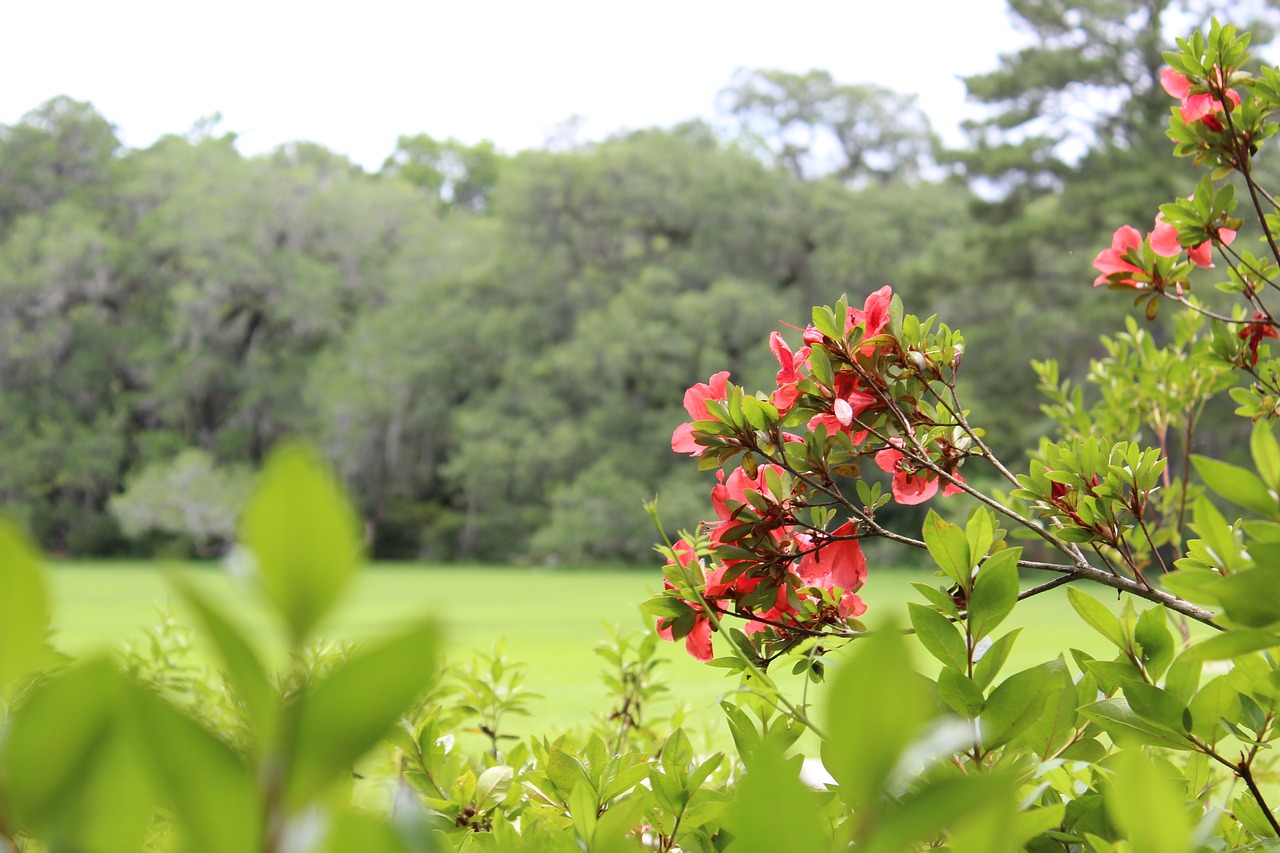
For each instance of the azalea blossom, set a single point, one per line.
(838, 563)
(698, 641)
(1164, 242)
(849, 404)
(789, 374)
(735, 488)
(874, 316)
(695, 403)
(1112, 261)
(1201, 107)
(1259, 327)
(910, 485)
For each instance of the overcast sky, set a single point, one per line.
(355, 76)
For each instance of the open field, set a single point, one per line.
(550, 620)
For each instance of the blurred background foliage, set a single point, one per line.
(492, 348)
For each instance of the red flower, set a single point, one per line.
(911, 485)
(698, 641)
(837, 563)
(1111, 261)
(1259, 327)
(735, 489)
(850, 403)
(695, 403)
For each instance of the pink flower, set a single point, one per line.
(695, 403)
(789, 374)
(1201, 107)
(1164, 242)
(1111, 261)
(910, 485)
(735, 489)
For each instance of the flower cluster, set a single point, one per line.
(1199, 106)
(1127, 263)
(775, 554)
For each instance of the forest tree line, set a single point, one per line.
(491, 348)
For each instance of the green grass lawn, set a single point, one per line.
(549, 620)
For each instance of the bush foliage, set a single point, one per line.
(1165, 747)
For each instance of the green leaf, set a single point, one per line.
(244, 669)
(343, 717)
(1051, 730)
(939, 599)
(939, 636)
(1118, 720)
(988, 666)
(582, 810)
(492, 785)
(303, 535)
(1232, 644)
(1098, 617)
(960, 694)
(980, 532)
(24, 606)
(940, 806)
(1218, 699)
(1016, 703)
(1157, 706)
(211, 791)
(746, 737)
(995, 592)
(865, 738)
(1147, 805)
(1237, 485)
(357, 830)
(1251, 598)
(770, 789)
(1155, 642)
(1266, 453)
(949, 548)
(81, 781)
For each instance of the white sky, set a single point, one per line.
(355, 76)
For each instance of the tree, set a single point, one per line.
(814, 126)
(461, 176)
(189, 497)
(61, 148)
(1085, 95)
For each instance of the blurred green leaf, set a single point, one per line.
(303, 535)
(343, 717)
(211, 790)
(24, 605)
(928, 814)
(1147, 806)
(770, 790)
(77, 779)
(1238, 485)
(245, 671)
(876, 706)
(1266, 453)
